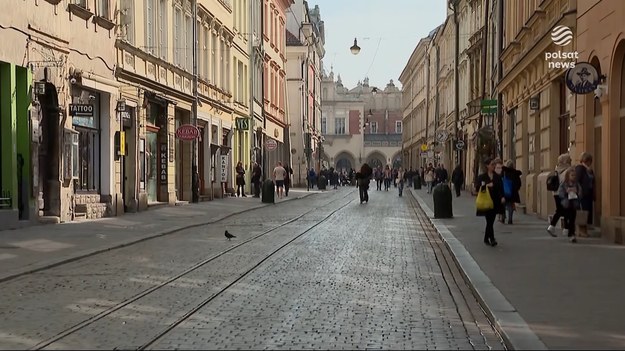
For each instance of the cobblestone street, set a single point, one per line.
(322, 272)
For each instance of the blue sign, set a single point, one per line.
(582, 79)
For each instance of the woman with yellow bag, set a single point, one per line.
(490, 198)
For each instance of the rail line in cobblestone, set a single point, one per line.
(191, 269)
(452, 275)
(128, 244)
(212, 297)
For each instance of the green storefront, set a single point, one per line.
(15, 155)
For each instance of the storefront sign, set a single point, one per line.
(223, 170)
(242, 123)
(81, 110)
(187, 132)
(271, 144)
(163, 164)
(582, 79)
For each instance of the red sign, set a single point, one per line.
(187, 132)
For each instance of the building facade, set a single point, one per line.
(534, 135)
(274, 79)
(598, 120)
(60, 159)
(360, 125)
(433, 128)
(305, 52)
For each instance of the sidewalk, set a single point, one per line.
(33, 248)
(570, 295)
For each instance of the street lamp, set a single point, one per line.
(489, 119)
(355, 49)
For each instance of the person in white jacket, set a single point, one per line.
(564, 163)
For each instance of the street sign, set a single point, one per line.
(460, 145)
(424, 147)
(442, 136)
(271, 144)
(488, 106)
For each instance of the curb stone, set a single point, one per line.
(515, 332)
(91, 252)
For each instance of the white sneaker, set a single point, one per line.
(551, 230)
(573, 239)
(565, 232)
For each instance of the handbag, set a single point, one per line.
(484, 202)
(581, 218)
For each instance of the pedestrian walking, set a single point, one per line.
(490, 183)
(240, 179)
(429, 178)
(553, 184)
(586, 179)
(287, 179)
(570, 194)
(457, 178)
(401, 176)
(363, 178)
(279, 174)
(511, 187)
(378, 174)
(256, 174)
(387, 177)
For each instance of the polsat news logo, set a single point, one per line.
(561, 36)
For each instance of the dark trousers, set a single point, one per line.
(256, 184)
(560, 212)
(489, 234)
(364, 195)
(387, 183)
(570, 214)
(378, 184)
(287, 185)
(457, 187)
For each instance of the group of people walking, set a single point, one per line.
(572, 188)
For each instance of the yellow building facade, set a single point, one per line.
(155, 67)
(599, 121)
(535, 134)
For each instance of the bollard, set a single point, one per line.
(416, 180)
(442, 201)
(269, 192)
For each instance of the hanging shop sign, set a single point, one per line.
(187, 132)
(582, 79)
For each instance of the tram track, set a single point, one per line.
(143, 294)
(452, 276)
(142, 240)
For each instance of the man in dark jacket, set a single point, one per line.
(256, 174)
(457, 178)
(511, 181)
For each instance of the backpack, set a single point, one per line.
(553, 182)
(507, 187)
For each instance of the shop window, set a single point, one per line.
(71, 152)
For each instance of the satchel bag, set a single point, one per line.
(581, 218)
(484, 202)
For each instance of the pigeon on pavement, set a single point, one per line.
(229, 236)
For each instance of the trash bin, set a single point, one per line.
(416, 180)
(322, 182)
(269, 192)
(442, 201)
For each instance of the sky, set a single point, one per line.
(387, 33)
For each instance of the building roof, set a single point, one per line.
(292, 40)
